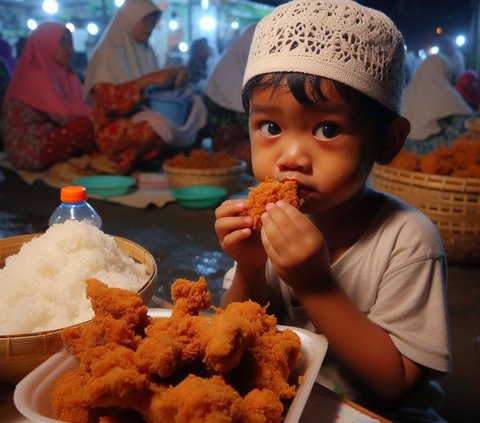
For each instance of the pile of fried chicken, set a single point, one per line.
(233, 365)
(201, 159)
(461, 160)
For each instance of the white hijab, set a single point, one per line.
(224, 85)
(430, 96)
(117, 57)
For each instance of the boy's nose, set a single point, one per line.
(294, 157)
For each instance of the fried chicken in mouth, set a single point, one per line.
(270, 191)
(233, 365)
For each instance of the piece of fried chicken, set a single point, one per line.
(273, 358)
(114, 380)
(120, 317)
(261, 406)
(107, 380)
(244, 344)
(232, 332)
(175, 343)
(244, 336)
(68, 402)
(196, 400)
(189, 297)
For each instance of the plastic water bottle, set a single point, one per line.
(74, 206)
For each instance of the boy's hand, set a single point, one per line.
(296, 248)
(236, 237)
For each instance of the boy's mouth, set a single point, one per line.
(303, 191)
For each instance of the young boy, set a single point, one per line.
(322, 88)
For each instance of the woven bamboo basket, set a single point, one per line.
(20, 354)
(453, 205)
(229, 178)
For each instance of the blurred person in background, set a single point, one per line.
(4, 80)
(468, 85)
(412, 61)
(44, 117)
(6, 54)
(197, 69)
(227, 119)
(433, 106)
(7, 64)
(122, 66)
(20, 45)
(449, 48)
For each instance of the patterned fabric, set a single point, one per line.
(450, 130)
(115, 134)
(35, 140)
(336, 39)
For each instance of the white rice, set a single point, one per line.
(42, 287)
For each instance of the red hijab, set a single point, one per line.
(468, 85)
(40, 81)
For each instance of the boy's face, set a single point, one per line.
(324, 149)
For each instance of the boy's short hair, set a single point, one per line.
(336, 39)
(308, 91)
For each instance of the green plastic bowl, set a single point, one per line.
(106, 185)
(199, 196)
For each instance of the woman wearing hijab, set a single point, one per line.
(468, 85)
(123, 64)
(436, 111)
(44, 117)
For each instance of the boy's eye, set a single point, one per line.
(326, 131)
(270, 129)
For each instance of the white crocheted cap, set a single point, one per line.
(336, 39)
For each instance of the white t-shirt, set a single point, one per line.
(396, 275)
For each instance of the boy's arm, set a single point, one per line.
(365, 348)
(245, 248)
(248, 283)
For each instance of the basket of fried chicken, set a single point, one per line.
(203, 168)
(445, 185)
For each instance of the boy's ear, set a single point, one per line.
(395, 137)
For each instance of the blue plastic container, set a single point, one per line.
(174, 105)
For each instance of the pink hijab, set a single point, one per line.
(40, 81)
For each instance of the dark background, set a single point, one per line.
(418, 19)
